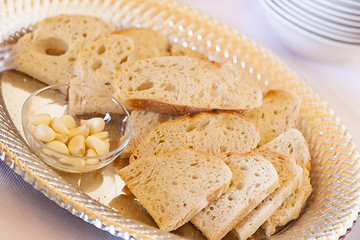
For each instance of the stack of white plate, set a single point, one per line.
(317, 29)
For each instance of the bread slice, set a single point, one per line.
(230, 70)
(49, 51)
(178, 50)
(214, 133)
(143, 123)
(182, 84)
(94, 68)
(290, 176)
(254, 178)
(291, 208)
(148, 43)
(291, 143)
(173, 187)
(279, 112)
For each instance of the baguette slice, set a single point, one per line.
(49, 51)
(214, 133)
(148, 43)
(231, 71)
(175, 186)
(94, 67)
(182, 84)
(143, 123)
(291, 208)
(254, 178)
(279, 112)
(291, 143)
(290, 176)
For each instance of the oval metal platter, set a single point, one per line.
(333, 206)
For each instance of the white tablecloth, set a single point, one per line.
(27, 214)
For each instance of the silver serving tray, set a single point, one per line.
(334, 204)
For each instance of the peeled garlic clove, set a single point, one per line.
(61, 137)
(95, 125)
(37, 119)
(77, 145)
(58, 146)
(97, 144)
(107, 143)
(90, 153)
(101, 135)
(69, 121)
(72, 161)
(82, 130)
(44, 133)
(59, 126)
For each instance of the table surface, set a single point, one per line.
(27, 214)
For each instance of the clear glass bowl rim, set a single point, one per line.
(27, 130)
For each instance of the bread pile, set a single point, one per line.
(207, 148)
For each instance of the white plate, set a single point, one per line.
(351, 19)
(347, 3)
(340, 6)
(307, 25)
(318, 21)
(305, 43)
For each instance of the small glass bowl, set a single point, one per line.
(54, 100)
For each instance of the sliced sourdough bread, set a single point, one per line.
(143, 123)
(290, 176)
(148, 43)
(279, 112)
(49, 51)
(254, 178)
(291, 143)
(182, 84)
(229, 70)
(94, 68)
(291, 208)
(173, 187)
(214, 133)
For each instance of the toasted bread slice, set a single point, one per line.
(94, 67)
(182, 84)
(49, 51)
(291, 143)
(290, 176)
(291, 208)
(175, 186)
(279, 112)
(254, 178)
(148, 43)
(230, 70)
(143, 123)
(214, 133)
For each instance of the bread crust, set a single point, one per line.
(167, 108)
